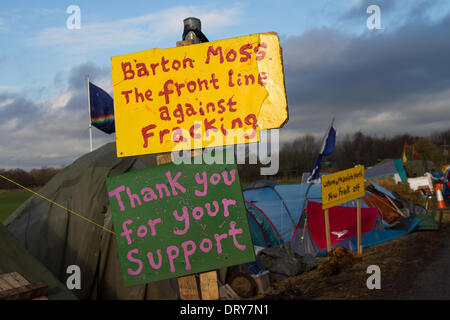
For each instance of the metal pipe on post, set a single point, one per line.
(89, 107)
(191, 24)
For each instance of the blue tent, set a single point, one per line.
(283, 213)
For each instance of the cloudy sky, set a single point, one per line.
(383, 81)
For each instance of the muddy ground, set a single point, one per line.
(412, 267)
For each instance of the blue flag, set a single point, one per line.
(102, 109)
(327, 148)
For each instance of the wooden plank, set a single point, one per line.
(18, 293)
(18, 277)
(11, 281)
(185, 43)
(188, 288)
(327, 231)
(358, 221)
(25, 292)
(13, 286)
(208, 285)
(4, 285)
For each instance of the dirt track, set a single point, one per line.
(434, 281)
(415, 266)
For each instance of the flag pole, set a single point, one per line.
(89, 107)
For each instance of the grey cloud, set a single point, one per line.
(329, 73)
(16, 107)
(77, 75)
(46, 135)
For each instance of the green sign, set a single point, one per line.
(174, 220)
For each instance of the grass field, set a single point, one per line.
(10, 201)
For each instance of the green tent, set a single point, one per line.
(15, 258)
(58, 239)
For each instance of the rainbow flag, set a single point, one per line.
(102, 109)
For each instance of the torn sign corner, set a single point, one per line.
(273, 112)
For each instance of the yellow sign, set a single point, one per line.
(203, 95)
(342, 186)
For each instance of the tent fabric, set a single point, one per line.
(15, 258)
(294, 197)
(263, 231)
(377, 236)
(401, 170)
(386, 169)
(58, 239)
(273, 200)
(310, 237)
(342, 222)
(297, 197)
(312, 240)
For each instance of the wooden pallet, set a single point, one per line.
(15, 287)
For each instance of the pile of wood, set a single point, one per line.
(401, 188)
(15, 287)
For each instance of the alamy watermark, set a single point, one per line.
(243, 152)
(374, 20)
(74, 20)
(74, 279)
(374, 281)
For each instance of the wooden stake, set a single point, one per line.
(208, 280)
(358, 221)
(208, 285)
(327, 231)
(188, 284)
(188, 287)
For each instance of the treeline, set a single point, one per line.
(299, 155)
(29, 179)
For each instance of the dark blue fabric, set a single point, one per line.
(326, 150)
(102, 109)
(330, 143)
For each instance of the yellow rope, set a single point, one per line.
(57, 204)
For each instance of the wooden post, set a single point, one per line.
(358, 221)
(208, 280)
(188, 287)
(327, 231)
(188, 284)
(208, 285)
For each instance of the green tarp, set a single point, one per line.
(58, 239)
(15, 258)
